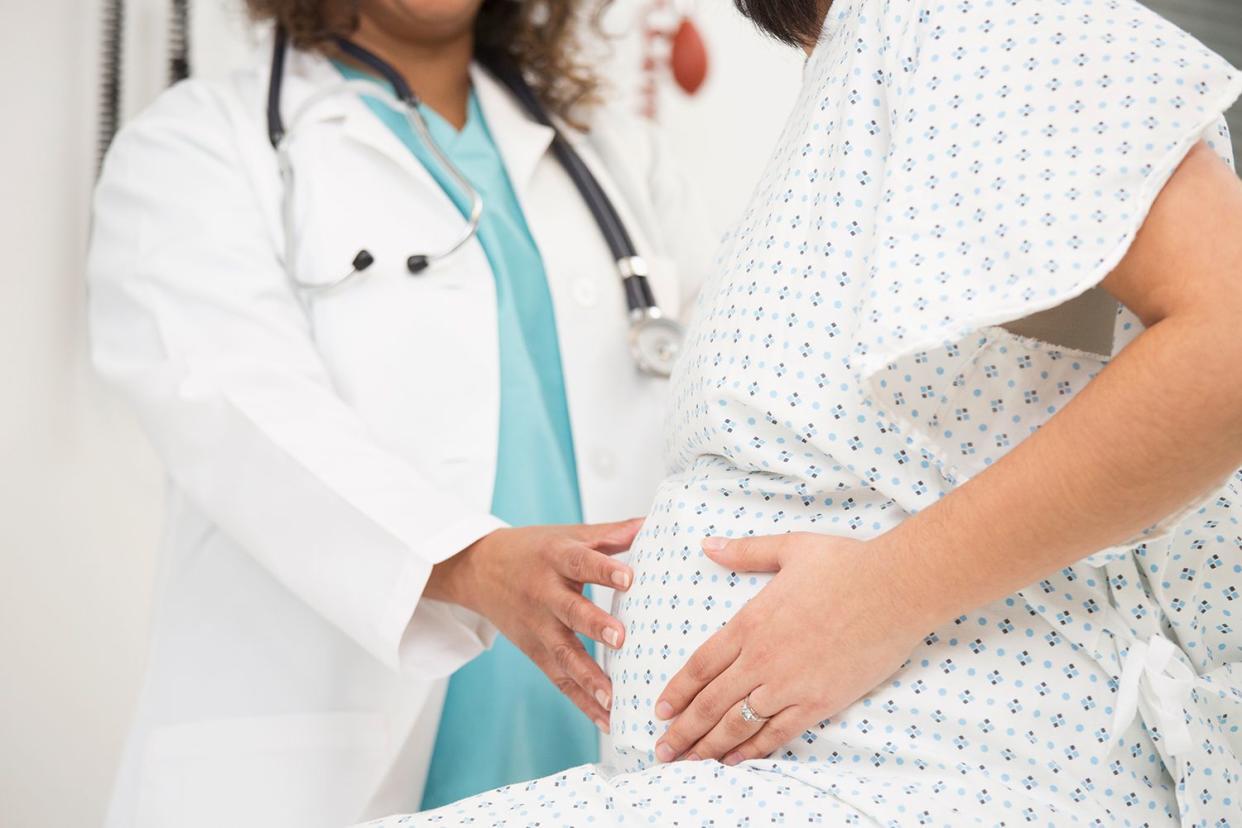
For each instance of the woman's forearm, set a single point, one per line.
(1158, 427)
(1143, 440)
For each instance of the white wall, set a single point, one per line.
(723, 135)
(79, 489)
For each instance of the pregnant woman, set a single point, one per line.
(952, 534)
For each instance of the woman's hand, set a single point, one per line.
(528, 582)
(832, 624)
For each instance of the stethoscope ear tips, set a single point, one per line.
(362, 261)
(417, 264)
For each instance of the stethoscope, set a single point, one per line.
(654, 339)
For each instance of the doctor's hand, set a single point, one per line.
(837, 619)
(528, 581)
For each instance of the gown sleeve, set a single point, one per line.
(1021, 160)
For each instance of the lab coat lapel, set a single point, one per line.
(522, 142)
(362, 125)
(358, 122)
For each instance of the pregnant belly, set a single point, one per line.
(1000, 681)
(680, 597)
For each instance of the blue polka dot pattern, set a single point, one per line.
(948, 167)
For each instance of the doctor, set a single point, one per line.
(366, 481)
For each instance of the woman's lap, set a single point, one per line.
(998, 717)
(1007, 695)
(996, 720)
(767, 792)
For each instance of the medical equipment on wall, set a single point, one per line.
(672, 46)
(654, 339)
(179, 41)
(113, 60)
(113, 25)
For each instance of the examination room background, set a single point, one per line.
(79, 488)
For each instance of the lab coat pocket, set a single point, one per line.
(304, 770)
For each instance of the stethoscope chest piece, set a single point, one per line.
(655, 341)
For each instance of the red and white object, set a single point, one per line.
(672, 44)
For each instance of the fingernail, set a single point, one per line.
(694, 757)
(602, 725)
(621, 579)
(612, 637)
(664, 753)
(602, 698)
(664, 710)
(714, 544)
(733, 758)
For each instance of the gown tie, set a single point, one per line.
(1153, 673)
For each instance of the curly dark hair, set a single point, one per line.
(540, 38)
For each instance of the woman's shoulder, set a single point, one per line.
(202, 110)
(1093, 27)
(1022, 71)
(195, 131)
(910, 31)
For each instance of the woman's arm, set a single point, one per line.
(1159, 426)
(193, 318)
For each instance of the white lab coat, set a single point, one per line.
(320, 462)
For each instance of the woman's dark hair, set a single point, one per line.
(541, 38)
(795, 22)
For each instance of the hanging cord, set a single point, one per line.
(638, 293)
(610, 224)
(179, 41)
(110, 93)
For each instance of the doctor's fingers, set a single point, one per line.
(577, 675)
(610, 537)
(584, 565)
(581, 615)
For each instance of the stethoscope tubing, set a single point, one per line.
(641, 305)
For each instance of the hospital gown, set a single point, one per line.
(948, 167)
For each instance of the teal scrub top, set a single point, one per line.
(503, 720)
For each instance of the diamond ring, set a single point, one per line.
(748, 712)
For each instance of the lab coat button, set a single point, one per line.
(586, 293)
(605, 463)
